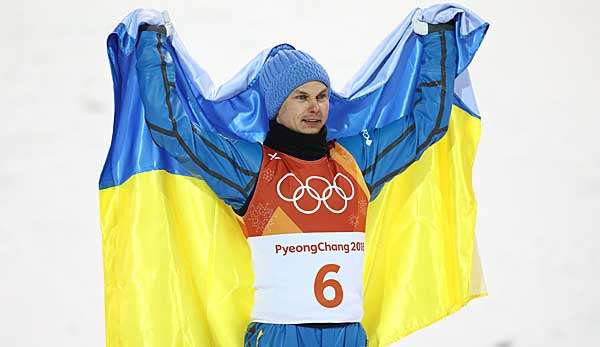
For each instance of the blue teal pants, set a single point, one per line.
(299, 335)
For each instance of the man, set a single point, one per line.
(301, 200)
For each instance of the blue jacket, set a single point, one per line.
(230, 166)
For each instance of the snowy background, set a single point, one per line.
(537, 175)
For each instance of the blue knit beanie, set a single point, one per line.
(284, 71)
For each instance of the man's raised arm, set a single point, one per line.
(229, 167)
(385, 152)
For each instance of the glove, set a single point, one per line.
(433, 28)
(156, 28)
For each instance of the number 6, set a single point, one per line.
(321, 284)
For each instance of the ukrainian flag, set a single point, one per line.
(177, 267)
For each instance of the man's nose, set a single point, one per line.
(314, 106)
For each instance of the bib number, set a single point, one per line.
(321, 283)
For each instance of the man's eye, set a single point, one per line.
(301, 97)
(322, 96)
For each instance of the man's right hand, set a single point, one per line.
(156, 28)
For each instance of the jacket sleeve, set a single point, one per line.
(229, 167)
(386, 152)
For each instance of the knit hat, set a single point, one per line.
(285, 70)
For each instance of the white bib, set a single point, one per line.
(308, 277)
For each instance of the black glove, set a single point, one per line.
(156, 28)
(434, 28)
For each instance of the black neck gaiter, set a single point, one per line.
(302, 146)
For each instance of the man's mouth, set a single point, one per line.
(311, 121)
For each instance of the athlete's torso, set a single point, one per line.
(305, 226)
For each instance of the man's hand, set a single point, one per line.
(432, 28)
(156, 28)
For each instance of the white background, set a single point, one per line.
(537, 174)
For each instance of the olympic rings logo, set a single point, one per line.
(305, 188)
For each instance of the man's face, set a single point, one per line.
(305, 110)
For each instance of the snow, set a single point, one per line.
(537, 175)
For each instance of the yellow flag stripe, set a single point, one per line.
(177, 266)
